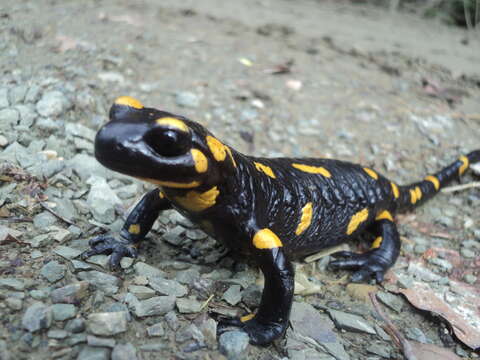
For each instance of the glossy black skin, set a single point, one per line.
(250, 200)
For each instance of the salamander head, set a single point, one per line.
(157, 146)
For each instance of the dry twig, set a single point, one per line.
(475, 184)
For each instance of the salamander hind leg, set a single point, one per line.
(382, 255)
(271, 320)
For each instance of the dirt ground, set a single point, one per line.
(269, 77)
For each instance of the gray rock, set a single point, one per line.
(37, 317)
(17, 94)
(393, 302)
(48, 125)
(57, 334)
(188, 305)
(52, 103)
(233, 295)
(467, 253)
(12, 284)
(4, 98)
(14, 304)
(350, 322)
(9, 117)
(124, 352)
(79, 130)
(208, 327)
(86, 166)
(107, 323)
(470, 279)
(167, 287)
(141, 292)
(100, 342)
(40, 294)
(158, 305)
(442, 263)
(309, 323)
(63, 312)
(422, 273)
(416, 334)
(172, 320)
(252, 295)
(105, 282)
(65, 207)
(379, 349)
(43, 220)
(233, 344)
(94, 353)
(100, 260)
(33, 94)
(67, 252)
(5, 354)
(76, 339)
(156, 330)
(40, 241)
(27, 115)
(102, 200)
(75, 325)
(189, 332)
(143, 269)
(174, 236)
(188, 276)
(154, 347)
(187, 99)
(53, 271)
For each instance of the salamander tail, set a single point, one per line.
(415, 194)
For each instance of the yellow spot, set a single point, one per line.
(312, 169)
(200, 160)
(384, 215)
(464, 166)
(305, 220)
(198, 201)
(129, 101)
(372, 173)
(247, 317)
(434, 181)
(377, 242)
(266, 239)
(413, 196)
(396, 192)
(172, 184)
(134, 229)
(356, 220)
(161, 195)
(418, 192)
(265, 169)
(219, 150)
(173, 123)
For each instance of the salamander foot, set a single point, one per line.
(259, 333)
(368, 264)
(106, 244)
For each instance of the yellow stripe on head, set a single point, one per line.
(219, 150)
(173, 123)
(305, 220)
(247, 317)
(267, 170)
(129, 101)
(464, 166)
(266, 239)
(384, 215)
(413, 196)
(312, 169)
(434, 181)
(200, 160)
(372, 173)
(356, 220)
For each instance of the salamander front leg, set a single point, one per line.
(138, 224)
(271, 320)
(382, 255)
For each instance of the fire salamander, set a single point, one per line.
(273, 210)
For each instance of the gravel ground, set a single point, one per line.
(267, 82)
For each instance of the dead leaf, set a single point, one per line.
(432, 352)
(464, 320)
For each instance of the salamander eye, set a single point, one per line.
(169, 142)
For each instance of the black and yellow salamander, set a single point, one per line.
(273, 210)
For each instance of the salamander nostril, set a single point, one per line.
(169, 142)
